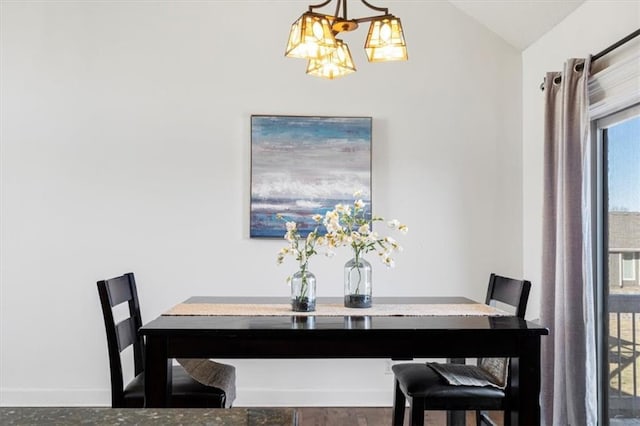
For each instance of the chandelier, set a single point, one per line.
(313, 37)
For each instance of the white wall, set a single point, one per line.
(125, 147)
(591, 28)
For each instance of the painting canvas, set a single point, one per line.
(301, 166)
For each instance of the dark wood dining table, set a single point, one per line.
(354, 336)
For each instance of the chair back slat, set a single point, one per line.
(119, 290)
(510, 291)
(127, 334)
(114, 292)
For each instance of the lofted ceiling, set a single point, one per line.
(519, 22)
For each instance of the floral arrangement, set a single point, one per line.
(303, 281)
(300, 248)
(348, 225)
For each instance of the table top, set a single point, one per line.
(318, 324)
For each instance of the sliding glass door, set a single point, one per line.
(619, 260)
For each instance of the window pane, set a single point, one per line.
(622, 147)
(624, 166)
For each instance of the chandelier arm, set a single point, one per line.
(371, 18)
(342, 4)
(317, 6)
(379, 9)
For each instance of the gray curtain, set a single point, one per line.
(569, 382)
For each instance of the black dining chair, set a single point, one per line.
(425, 384)
(185, 393)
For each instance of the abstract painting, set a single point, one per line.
(301, 166)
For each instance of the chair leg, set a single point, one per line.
(507, 418)
(416, 412)
(456, 417)
(483, 418)
(399, 400)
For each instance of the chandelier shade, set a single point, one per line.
(310, 37)
(333, 65)
(313, 37)
(385, 41)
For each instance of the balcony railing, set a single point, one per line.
(624, 355)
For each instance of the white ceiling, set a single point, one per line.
(519, 22)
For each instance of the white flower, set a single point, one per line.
(317, 218)
(298, 247)
(387, 260)
(332, 221)
(391, 241)
(394, 244)
(290, 236)
(350, 225)
(343, 209)
(333, 227)
(331, 215)
(357, 194)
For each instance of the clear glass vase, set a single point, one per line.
(357, 283)
(303, 291)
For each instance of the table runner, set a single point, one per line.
(235, 309)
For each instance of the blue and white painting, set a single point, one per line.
(301, 166)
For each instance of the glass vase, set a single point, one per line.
(357, 283)
(303, 291)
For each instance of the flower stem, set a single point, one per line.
(304, 288)
(357, 266)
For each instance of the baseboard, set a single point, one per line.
(314, 398)
(253, 397)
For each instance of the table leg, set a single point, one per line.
(527, 410)
(456, 418)
(157, 375)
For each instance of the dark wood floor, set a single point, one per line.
(350, 416)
